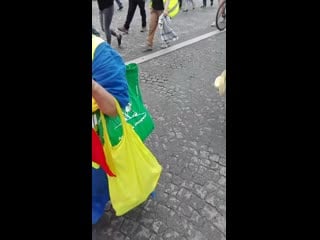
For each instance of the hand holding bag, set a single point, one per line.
(135, 112)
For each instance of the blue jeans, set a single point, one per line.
(100, 193)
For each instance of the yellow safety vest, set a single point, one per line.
(173, 8)
(95, 43)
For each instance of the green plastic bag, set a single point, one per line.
(135, 112)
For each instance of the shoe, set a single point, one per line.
(185, 10)
(147, 48)
(164, 45)
(143, 29)
(153, 195)
(120, 8)
(95, 32)
(119, 38)
(213, 24)
(108, 207)
(203, 6)
(123, 29)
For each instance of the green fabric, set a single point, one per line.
(135, 113)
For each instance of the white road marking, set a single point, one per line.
(174, 47)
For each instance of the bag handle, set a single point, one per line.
(106, 138)
(122, 119)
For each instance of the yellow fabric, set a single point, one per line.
(95, 165)
(220, 83)
(94, 106)
(95, 43)
(173, 8)
(136, 168)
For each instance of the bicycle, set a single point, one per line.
(221, 25)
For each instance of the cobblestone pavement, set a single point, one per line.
(189, 141)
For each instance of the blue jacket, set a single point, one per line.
(109, 70)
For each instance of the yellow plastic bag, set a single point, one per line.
(136, 168)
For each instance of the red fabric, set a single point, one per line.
(98, 154)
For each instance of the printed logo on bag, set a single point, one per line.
(133, 117)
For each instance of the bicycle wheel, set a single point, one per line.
(221, 17)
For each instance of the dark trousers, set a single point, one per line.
(131, 10)
(205, 2)
(105, 21)
(119, 3)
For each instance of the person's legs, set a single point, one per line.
(100, 194)
(186, 5)
(113, 32)
(118, 36)
(130, 14)
(141, 4)
(101, 20)
(222, 9)
(154, 17)
(107, 18)
(193, 6)
(120, 5)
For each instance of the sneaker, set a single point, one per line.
(203, 6)
(164, 45)
(185, 10)
(119, 40)
(123, 29)
(213, 24)
(153, 195)
(95, 32)
(143, 29)
(108, 207)
(120, 8)
(147, 48)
